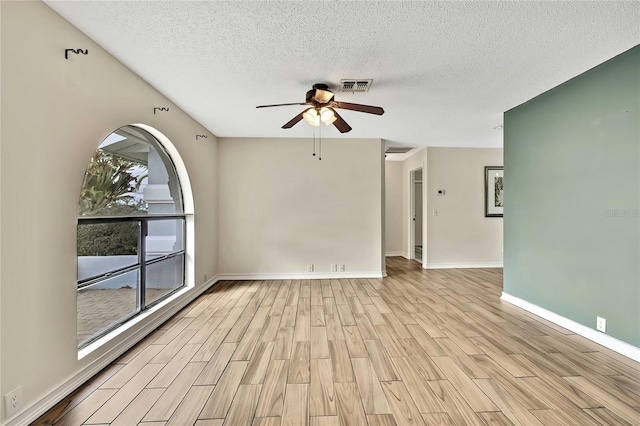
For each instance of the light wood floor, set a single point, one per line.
(418, 347)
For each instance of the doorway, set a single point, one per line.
(416, 244)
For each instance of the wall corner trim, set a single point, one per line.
(463, 265)
(605, 340)
(50, 399)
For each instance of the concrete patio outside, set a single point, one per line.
(101, 309)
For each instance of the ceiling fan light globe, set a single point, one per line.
(330, 121)
(311, 116)
(327, 116)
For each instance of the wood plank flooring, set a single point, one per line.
(420, 347)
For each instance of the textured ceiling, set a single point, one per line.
(443, 71)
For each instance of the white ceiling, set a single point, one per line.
(443, 71)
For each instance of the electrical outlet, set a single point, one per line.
(13, 402)
(334, 267)
(310, 267)
(601, 324)
(205, 278)
(342, 269)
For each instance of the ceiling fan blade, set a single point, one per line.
(276, 105)
(294, 120)
(360, 108)
(340, 124)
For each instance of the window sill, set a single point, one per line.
(133, 325)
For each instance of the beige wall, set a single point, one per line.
(55, 112)
(2, 416)
(282, 209)
(460, 235)
(393, 208)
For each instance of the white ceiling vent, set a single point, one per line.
(397, 149)
(355, 85)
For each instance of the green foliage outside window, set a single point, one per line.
(108, 183)
(108, 239)
(107, 190)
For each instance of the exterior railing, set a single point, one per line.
(161, 271)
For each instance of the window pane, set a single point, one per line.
(106, 304)
(163, 277)
(130, 174)
(164, 237)
(105, 247)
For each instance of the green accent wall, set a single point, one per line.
(572, 198)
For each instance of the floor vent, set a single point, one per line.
(353, 85)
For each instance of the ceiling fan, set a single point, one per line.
(322, 107)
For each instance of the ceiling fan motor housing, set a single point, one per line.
(309, 97)
(320, 95)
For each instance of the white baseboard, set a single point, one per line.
(605, 340)
(398, 254)
(57, 394)
(300, 276)
(463, 265)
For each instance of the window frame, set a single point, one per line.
(141, 264)
(175, 171)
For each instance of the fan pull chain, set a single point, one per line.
(314, 142)
(320, 143)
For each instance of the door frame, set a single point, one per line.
(412, 214)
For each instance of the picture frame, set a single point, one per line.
(493, 191)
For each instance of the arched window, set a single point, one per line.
(131, 232)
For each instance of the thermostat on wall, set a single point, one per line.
(441, 191)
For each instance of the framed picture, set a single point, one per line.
(493, 191)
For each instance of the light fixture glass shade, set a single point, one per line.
(331, 120)
(327, 116)
(312, 117)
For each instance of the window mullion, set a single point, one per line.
(142, 258)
